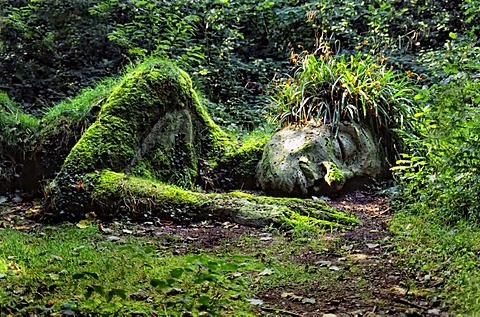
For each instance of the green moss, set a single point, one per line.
(112, 185)
(215, 138)
(241, 163)
(334, 175)
(295, 207)
(143, 96)
(115, 194)
(266, 199)
(152, 126)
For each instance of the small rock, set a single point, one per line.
(140, 295)
(254, 301)
(434, 311)
(307, 300)
(267, 271)
(329, 315)
(323, 263)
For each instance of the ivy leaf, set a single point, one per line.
(176, 273)
(155, 282)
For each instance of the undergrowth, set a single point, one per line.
(441, 255)
(124, 272)
(438, 207)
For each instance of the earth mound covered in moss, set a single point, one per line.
(151, 145)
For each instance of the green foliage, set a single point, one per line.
(214, 40)
(209, 281)
(65, 122)
(152, 28)
(439, 254)
(90, 273)
(303, 228)
(472, 13)
(51, 49)
(18, 130)
(18, 137)
(442, 176)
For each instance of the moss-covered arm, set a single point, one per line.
(113, 194)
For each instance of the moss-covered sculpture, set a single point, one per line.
(317, 161)
(151, 142)
(152, 125)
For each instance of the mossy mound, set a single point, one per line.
(236, 169)
(152, 126)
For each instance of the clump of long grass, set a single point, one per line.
(18, 130)
(18, 137)
(326, 88)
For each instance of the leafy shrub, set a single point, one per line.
(51, 49)
(328, 89)
(232, 48)
(442, 176)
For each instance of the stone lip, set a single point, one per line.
(318, 161)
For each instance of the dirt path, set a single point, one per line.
(370, 279)
(364, 275)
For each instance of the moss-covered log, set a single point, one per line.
(111, 194)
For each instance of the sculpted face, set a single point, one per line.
(317, 161)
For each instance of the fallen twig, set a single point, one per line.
(404, 301)
(273, 309)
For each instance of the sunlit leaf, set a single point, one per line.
(83, 224)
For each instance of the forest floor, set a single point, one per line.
(353, 272)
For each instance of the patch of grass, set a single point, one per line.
(18, 130)
(66, 269)
(73, 115)
(440, 254)
(18, 136)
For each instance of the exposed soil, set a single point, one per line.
(371, 279)
(366, 276)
